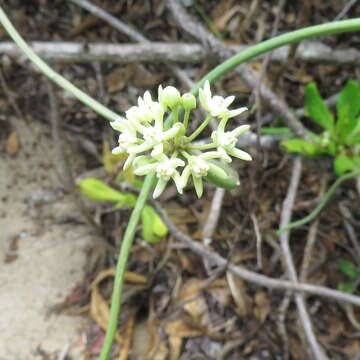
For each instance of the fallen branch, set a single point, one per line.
(250, 275)
(76, 52)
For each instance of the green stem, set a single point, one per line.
(199, 130)
(201, 147)
(121, 265)
(53, 75)
(186, 119)
(322, 203)
(276, 42)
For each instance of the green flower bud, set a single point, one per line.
(169, 97)
(188, 101)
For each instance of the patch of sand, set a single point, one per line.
(51, 253)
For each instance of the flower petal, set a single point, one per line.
(145, 169)
(240, 130)
(160, 187)
(240, 154)
(199, 188)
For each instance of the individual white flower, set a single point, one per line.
(126, 139)
(165, 170)
(146, 111)
(225, 142)
(217, 106)
(198, 167)
(154, 138)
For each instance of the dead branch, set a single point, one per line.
(76, 52)
(286, 212)
(251, 276)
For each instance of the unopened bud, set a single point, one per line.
(188, 101)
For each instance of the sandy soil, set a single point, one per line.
(50, 255)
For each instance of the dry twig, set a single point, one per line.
(189, 53)
(289, 263)
(251, 276)
(214, 213)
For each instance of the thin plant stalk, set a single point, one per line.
(321, 204)
(225, 67)
(121, 265)
(53, 75)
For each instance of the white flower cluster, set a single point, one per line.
(153, 146)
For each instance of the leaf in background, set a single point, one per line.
(348, 107)
(300, 146)
(343, 163)
(277, 131)
(96, 189)
(110, 160)
(316, 108)
(348, 288)
(129, 200)
(353, 139)
(349, 269)
(153, 228)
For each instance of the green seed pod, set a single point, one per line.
(222, 175)
(188, 101)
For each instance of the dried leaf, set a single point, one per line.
(262, 308)
(12, 145)
(119, 78)
(143, 78)
(11, 249)
(195, 304)
(237, 288)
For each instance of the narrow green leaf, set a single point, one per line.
(300, 146)
(343, 163)
(316, 108)
(348, 108)
(96, 189)
(277, 131)
(349, 269)
(153, 228)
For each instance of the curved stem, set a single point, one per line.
(322, 203)
(121, 265)
(276, 42)
(53, 75)
(199, 130)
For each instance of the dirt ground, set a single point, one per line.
(42, 256)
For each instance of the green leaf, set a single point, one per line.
(343, 163)
(348, 288)
(300, 146)
(349, 269)
(96, 189)
(129, 200)
(277, 131)
(353, 138)
(153, 228)
(348, 107)
(316, 108)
